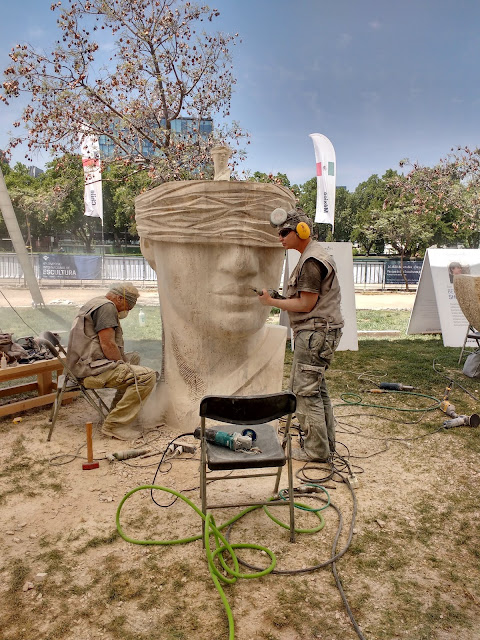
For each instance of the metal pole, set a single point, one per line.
(103, 252)
(18, 242)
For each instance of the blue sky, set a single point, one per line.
(383, 80)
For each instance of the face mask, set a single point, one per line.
(122, 314)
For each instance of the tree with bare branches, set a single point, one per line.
(165, 63)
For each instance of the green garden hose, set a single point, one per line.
(221, 543)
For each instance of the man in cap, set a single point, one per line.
(96, 356)
(313, 306)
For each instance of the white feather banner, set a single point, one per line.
(93, 175)
(326, 178)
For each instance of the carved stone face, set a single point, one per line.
(208, 285)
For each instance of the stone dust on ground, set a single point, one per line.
(66, 574)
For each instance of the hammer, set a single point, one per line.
(89, 464)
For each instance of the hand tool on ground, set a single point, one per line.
(127, 454)
(456, 420)
(395, 386)
(463, 421)
(90, 464)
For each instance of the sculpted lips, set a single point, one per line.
(236, 295)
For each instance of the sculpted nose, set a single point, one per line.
(242, 262)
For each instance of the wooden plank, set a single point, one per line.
(32, 369)
(18, 388)
(31, 403)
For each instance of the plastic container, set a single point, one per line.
(141, 318)
(3, 362)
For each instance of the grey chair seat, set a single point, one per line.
(271, 453)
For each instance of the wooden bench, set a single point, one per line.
(45, 385)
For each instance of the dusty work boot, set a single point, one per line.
(127, 432)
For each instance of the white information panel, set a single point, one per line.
(343, 256)
(436, 309)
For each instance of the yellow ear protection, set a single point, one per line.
(303, 230)
(279, 216)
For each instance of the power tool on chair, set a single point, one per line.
(233, 441)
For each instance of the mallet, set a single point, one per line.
(89, 464)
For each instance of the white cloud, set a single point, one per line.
(375, 24)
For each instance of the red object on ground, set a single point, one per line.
(86, 466)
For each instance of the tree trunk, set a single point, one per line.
(402, 270)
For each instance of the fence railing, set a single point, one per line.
(369, 274)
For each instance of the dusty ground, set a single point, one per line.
(411, 571)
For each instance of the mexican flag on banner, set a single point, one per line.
(326, 178)
(93, 174)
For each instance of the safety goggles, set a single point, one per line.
(283, 233)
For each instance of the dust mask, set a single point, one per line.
(122, 314)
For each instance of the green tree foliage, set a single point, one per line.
(26, 200)
(63, 189)
(450, 191)
(166, 63)
(368, 198)
(403, 230)
(52, 204)
(280, 178)
(307, 200)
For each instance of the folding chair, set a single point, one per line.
(471, 334)
(68, 381)
(234, 411)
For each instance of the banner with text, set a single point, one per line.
(69, 267)
(326, 178)
(93, 175)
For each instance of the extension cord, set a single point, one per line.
(177, 448)
(174, 450)
(187, 448)
(353, 481)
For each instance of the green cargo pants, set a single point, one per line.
(313, 353)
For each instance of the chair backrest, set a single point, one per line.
(53, 340)
(248, 409)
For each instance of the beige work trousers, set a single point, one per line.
(133, 382)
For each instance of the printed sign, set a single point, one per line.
(70, 267)
(411, 269)
(436, 309)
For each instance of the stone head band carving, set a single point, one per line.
(233, 214)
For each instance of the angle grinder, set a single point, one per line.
(233, 441)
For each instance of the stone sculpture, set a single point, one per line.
(209, 243)
(220, 155)
(467, 292)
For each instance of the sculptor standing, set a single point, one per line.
(313, 306)
(96, 356)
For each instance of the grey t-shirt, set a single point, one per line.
(105, 317)
(311, 276)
